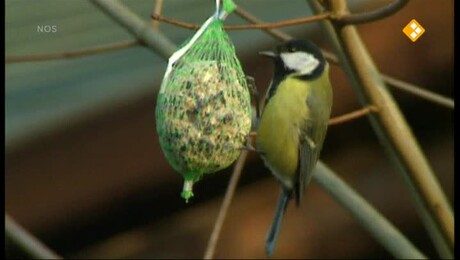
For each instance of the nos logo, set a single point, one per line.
(47, 28)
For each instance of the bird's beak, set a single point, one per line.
(269, 54)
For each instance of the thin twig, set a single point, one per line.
(241, 12)
(155, 40)
(73, 54)
(157, 11)
(352, 115)
(395, 134)
(366, 215)
(404, 86)
(342, 18)
(178, 23)
(29, 244)
(367, 17)
(237, 170)
(342, 118)
(419, 92)
(331, 57)
(280, 24)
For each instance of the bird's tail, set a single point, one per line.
(272, 236)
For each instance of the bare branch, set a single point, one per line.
(366, 215)
(141, 30)
(419, 92)
(241, 12)
(371, 16)
(394, 133)
(286, 23)
(29, 244)
(342, 19)
(352, 115)
(237, 170)
(73, 54)
(157, 11)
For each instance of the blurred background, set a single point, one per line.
(84, 171)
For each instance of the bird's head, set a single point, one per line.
(299, 58)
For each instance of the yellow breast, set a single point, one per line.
(279, 126)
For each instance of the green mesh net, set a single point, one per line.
(203, 112)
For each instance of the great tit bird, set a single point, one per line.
(294, 121)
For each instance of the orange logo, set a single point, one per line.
(413, 30)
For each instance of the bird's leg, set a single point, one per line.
(248, 146)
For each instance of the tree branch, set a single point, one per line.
(137, 27)
(73, 54)
(157, 11)
(286, 23)
(215, 234)
(367, 17)
(19, 237)
(368, 217)
(394, 133)
(352, 115)
(419, 92)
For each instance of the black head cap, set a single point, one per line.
(301, 45)
(294, 46)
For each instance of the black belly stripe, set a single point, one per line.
(273, 87)
(281, 73)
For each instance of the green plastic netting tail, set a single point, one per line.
(203, 110)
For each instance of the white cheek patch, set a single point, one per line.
(301, 62)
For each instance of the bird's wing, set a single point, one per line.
(308, 152)
(311, 139)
